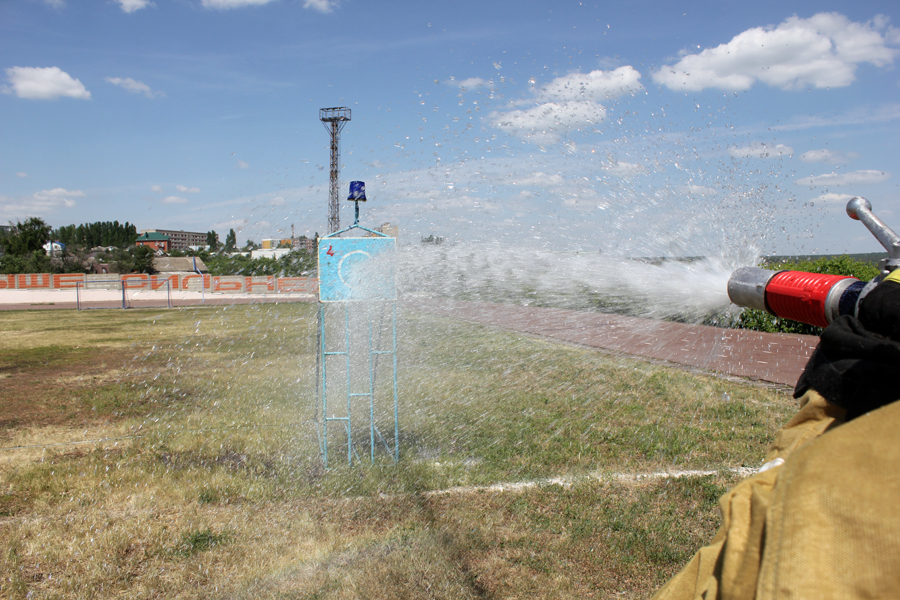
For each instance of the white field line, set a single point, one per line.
(567, 482)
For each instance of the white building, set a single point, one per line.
(273, 253)
(54, 248)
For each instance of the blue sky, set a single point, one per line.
(646, 127)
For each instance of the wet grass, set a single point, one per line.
(527, 408)
(210, 481)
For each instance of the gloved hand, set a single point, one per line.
(857, 362)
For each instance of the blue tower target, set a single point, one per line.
(357, 342)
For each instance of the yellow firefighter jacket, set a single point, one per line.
(820, 520)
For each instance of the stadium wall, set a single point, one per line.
(193, 282)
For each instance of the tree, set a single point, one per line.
(33, 262)
(104, 233)
(136, 259)
(212, 240)
(26, 238)
(230, 241)
(292, 264)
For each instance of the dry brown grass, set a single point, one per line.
(215, 488)
(539, 544)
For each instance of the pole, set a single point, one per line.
(334, 207)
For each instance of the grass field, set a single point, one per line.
(174, 454)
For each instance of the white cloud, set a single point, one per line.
(852, 178)
(596, 85)
(135, 87)
(58, 4)
(547, 122)
(21, 174)
(541, 179)
(697, 190)
(44, 83)
(190, 190)
(760, 150)
(826, 156)
(174, 200)
(854, 116)
(468, 84)
(58, 195)
(325, 6)
(130, 6)
(40, 203)
(624, 169)
(226, 4)
(822, 51)
(839, 199)
(567, 103)
(156, 188)
(242, 165)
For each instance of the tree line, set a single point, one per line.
(23, 248)
(23, 251)
(101, 233)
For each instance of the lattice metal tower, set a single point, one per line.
(334, 120)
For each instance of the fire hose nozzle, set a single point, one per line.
(812, 298)
(747, 287)
(815, 298)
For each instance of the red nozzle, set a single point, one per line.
(801, 296)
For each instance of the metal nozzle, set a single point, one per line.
(747, 287)
(861, 210)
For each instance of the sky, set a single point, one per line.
(639, 128)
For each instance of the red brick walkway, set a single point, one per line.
(773, 357)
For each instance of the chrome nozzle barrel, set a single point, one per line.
(861, 210)
(747, 287)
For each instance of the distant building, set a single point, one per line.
(157, 241)
(180, 240)
(184, 264)
(54, 248)
(388, 230)
(269, 244)
(269, 253)
(303, 243)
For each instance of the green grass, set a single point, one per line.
(193, 542)
(215, 485)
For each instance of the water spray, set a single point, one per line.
(815, 298)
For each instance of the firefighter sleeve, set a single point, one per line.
(820, 520)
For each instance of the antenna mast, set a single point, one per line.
(334, 120)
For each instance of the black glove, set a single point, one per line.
(857, 362)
